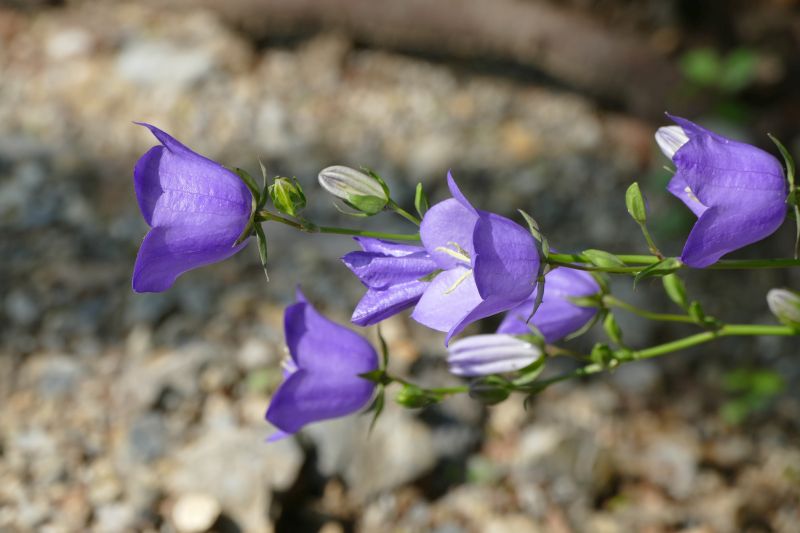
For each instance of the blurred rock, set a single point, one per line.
(195, 512)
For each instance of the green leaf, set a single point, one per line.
(696, 312)
(635, 203)
(602, 258)
(384, 349)
(738, 70)
(421, 200)
(250, 182)
(701, 66)
(612, 329)
(675, 289)
(787, 159)
(660, 269)
(262, 247)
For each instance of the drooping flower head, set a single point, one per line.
(391, 272)
(482, 355)
(196, 209)
(321, 377)
(557, 316)
(737, 191)
(488, 264)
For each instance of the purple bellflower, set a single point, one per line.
(391, 272)
(488, 264)
(737, 191)
(321, 376)
(557, 316)
(196, 208)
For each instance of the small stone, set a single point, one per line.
(195, 512)
(255, 354)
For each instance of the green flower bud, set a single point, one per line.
(412, 397)
(287, 196)
(360, 191)
(785, 305)
(488, 390)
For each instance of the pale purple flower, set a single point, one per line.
(196, 208)
(321, 377)
(737, 191)
(489, 264)
(482, 355)
(391, 272)
(557, 316)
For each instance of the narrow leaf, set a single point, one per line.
(421, 201)
(262, 247)
(602, 258)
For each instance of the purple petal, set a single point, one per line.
(446, 223)
(679, 188)
(380, 271)
(556, 317)
(488, 307)
(167, 252)
(506, 261)
(721, 230)
(395, 249)
(457, 194)
(377, 305)
(444, 304)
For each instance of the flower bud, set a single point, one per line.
(785, 305)
(488, 391)
(287, 196)
(414, 397)
(482, 355)
(361, 191)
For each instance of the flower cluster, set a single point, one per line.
(464, 265)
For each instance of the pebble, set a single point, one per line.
(195, 512)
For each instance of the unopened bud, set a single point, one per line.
(785, 305)
(413, 397)
(482, 355)
(287, 196)
(361, 191)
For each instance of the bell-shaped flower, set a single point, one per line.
(482, 355)
(557, 316)
(321, 377)
(785, 305)
(737, 191)
(196, 208)
(489, 264)
(391, 272)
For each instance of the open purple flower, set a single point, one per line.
(391, 272)
(488, 264)
(321, 377)
(557, 316)
(196, 208)
(737, 191)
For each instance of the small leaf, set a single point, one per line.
(635, 203)
(250, 182)
(675, 289)
(262, 247)
(612, 329)
(384, 349)
(787, 159)
(602, 258)
(421, 201)
(662, 268)
(533, 226)
(539, 298)
(377, 407)
(696, 312)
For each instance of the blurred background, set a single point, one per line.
(124, 412)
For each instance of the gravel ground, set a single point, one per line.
(126, 412)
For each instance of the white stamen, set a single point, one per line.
(459, 281)
(690, 194)
(459, 253)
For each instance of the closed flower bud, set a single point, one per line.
(785, 305)
(483, 355)
(414, 397)
(361, 191)
(287, 196)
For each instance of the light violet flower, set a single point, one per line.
(321, 377)
(557, 316)
(737, 191)
(488, 264)
(391, 272)
(482, 355)
(785, 305)
(196, 209)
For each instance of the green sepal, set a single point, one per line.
(374, 175)
(384, 349)
(531, 372)
(338, 205)
(612, 328)
(250, 182)
(602, 355)
(378, 377)
(602, 258)
(262, 200)
(660, 269)
(489, 390)
(539, 297)
(368, 205)
(586, 327)
(262, 247)
(787, 159)
(421, 200)
(376, 407)
(635, 203)
(533, 226)
(676, 290)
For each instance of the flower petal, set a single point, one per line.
(379, 271)
(447, 299)
(168, 252)
(377, 305)
(457, 194)
(670, 139)
(446, 223)
(680, 188)
(481, 355)
(506, 261)
(379, 246)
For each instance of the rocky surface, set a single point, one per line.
(126, 412)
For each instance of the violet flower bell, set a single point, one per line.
(196, 209)
(737, 191)
(556, 317)
(391, 272)
(321, 376)
(488, 264)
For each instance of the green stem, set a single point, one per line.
(263, 216)
(403, 213)
(569, 260)
(611, 301)
(797, 237)
(651, 244)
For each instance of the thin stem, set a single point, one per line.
(592, 268)
(797, 238)
(651, 244)
(264, 215)
(570, 260)
(611, 301)
(403, 213)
